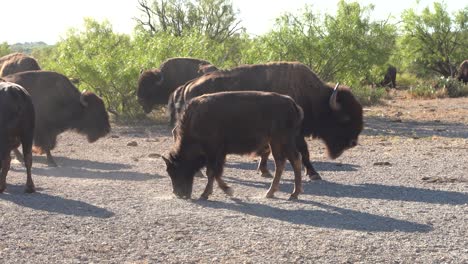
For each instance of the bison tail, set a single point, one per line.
(300, 113)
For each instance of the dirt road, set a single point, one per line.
(401, 196)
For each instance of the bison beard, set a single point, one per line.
(16, 127)
(209, 130)
(337, 122)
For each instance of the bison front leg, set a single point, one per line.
(29, 182)
(5, 167)
(209, 185)
(262, 164)
(214, 170)
(304, 150)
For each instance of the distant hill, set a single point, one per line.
(27, 47)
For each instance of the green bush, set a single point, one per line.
(406, 80)
(453, 87)
(439, 88)
(367, 95)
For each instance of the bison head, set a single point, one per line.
(150, 91)
(95, 122)
(341, 126)
(181, 176)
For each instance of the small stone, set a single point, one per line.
(382, 163)
(132, 144)
(154, 155)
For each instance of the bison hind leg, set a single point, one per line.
(4, 168)
(280, 162)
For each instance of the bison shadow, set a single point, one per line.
(90, 164)
(328, 217)
(72, 172)
(53, 204)
(318, 165)
(366, 191)
(412, 128)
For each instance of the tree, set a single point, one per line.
(434, 41)
(342, 47)
(103, 62)
(4, 49)
(215, 18)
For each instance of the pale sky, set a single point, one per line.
(48, 20)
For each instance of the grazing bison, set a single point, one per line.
(17, 62)
(390, 77)
(60, 106)
(463, 72)
(156, 85)
(209, 130)
(333, 115)
(16, 127)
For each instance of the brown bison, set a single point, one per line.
(156, 85)
(60, 106)
(463, 72)
(17, 62)
(209, 130)
(390, 77)
(333, 115)
(16, 127)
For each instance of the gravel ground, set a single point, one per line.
(401, 196)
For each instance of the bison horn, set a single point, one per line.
(82, 99)
(334, 105)
(166, 160)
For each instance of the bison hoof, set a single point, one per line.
(267, 175)
(203, 197)
(293, 197)
(314, 176)
(228, 191)
(1, 190)
(270, 195)
(30, 189)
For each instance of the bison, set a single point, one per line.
(333, 115)
(16, 127)
(156, 85)
(60, 106)
(17, 62)
(463, 72)
(209, 130)
(390, 77)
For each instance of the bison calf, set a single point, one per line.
(16, 127)
(215, 125)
